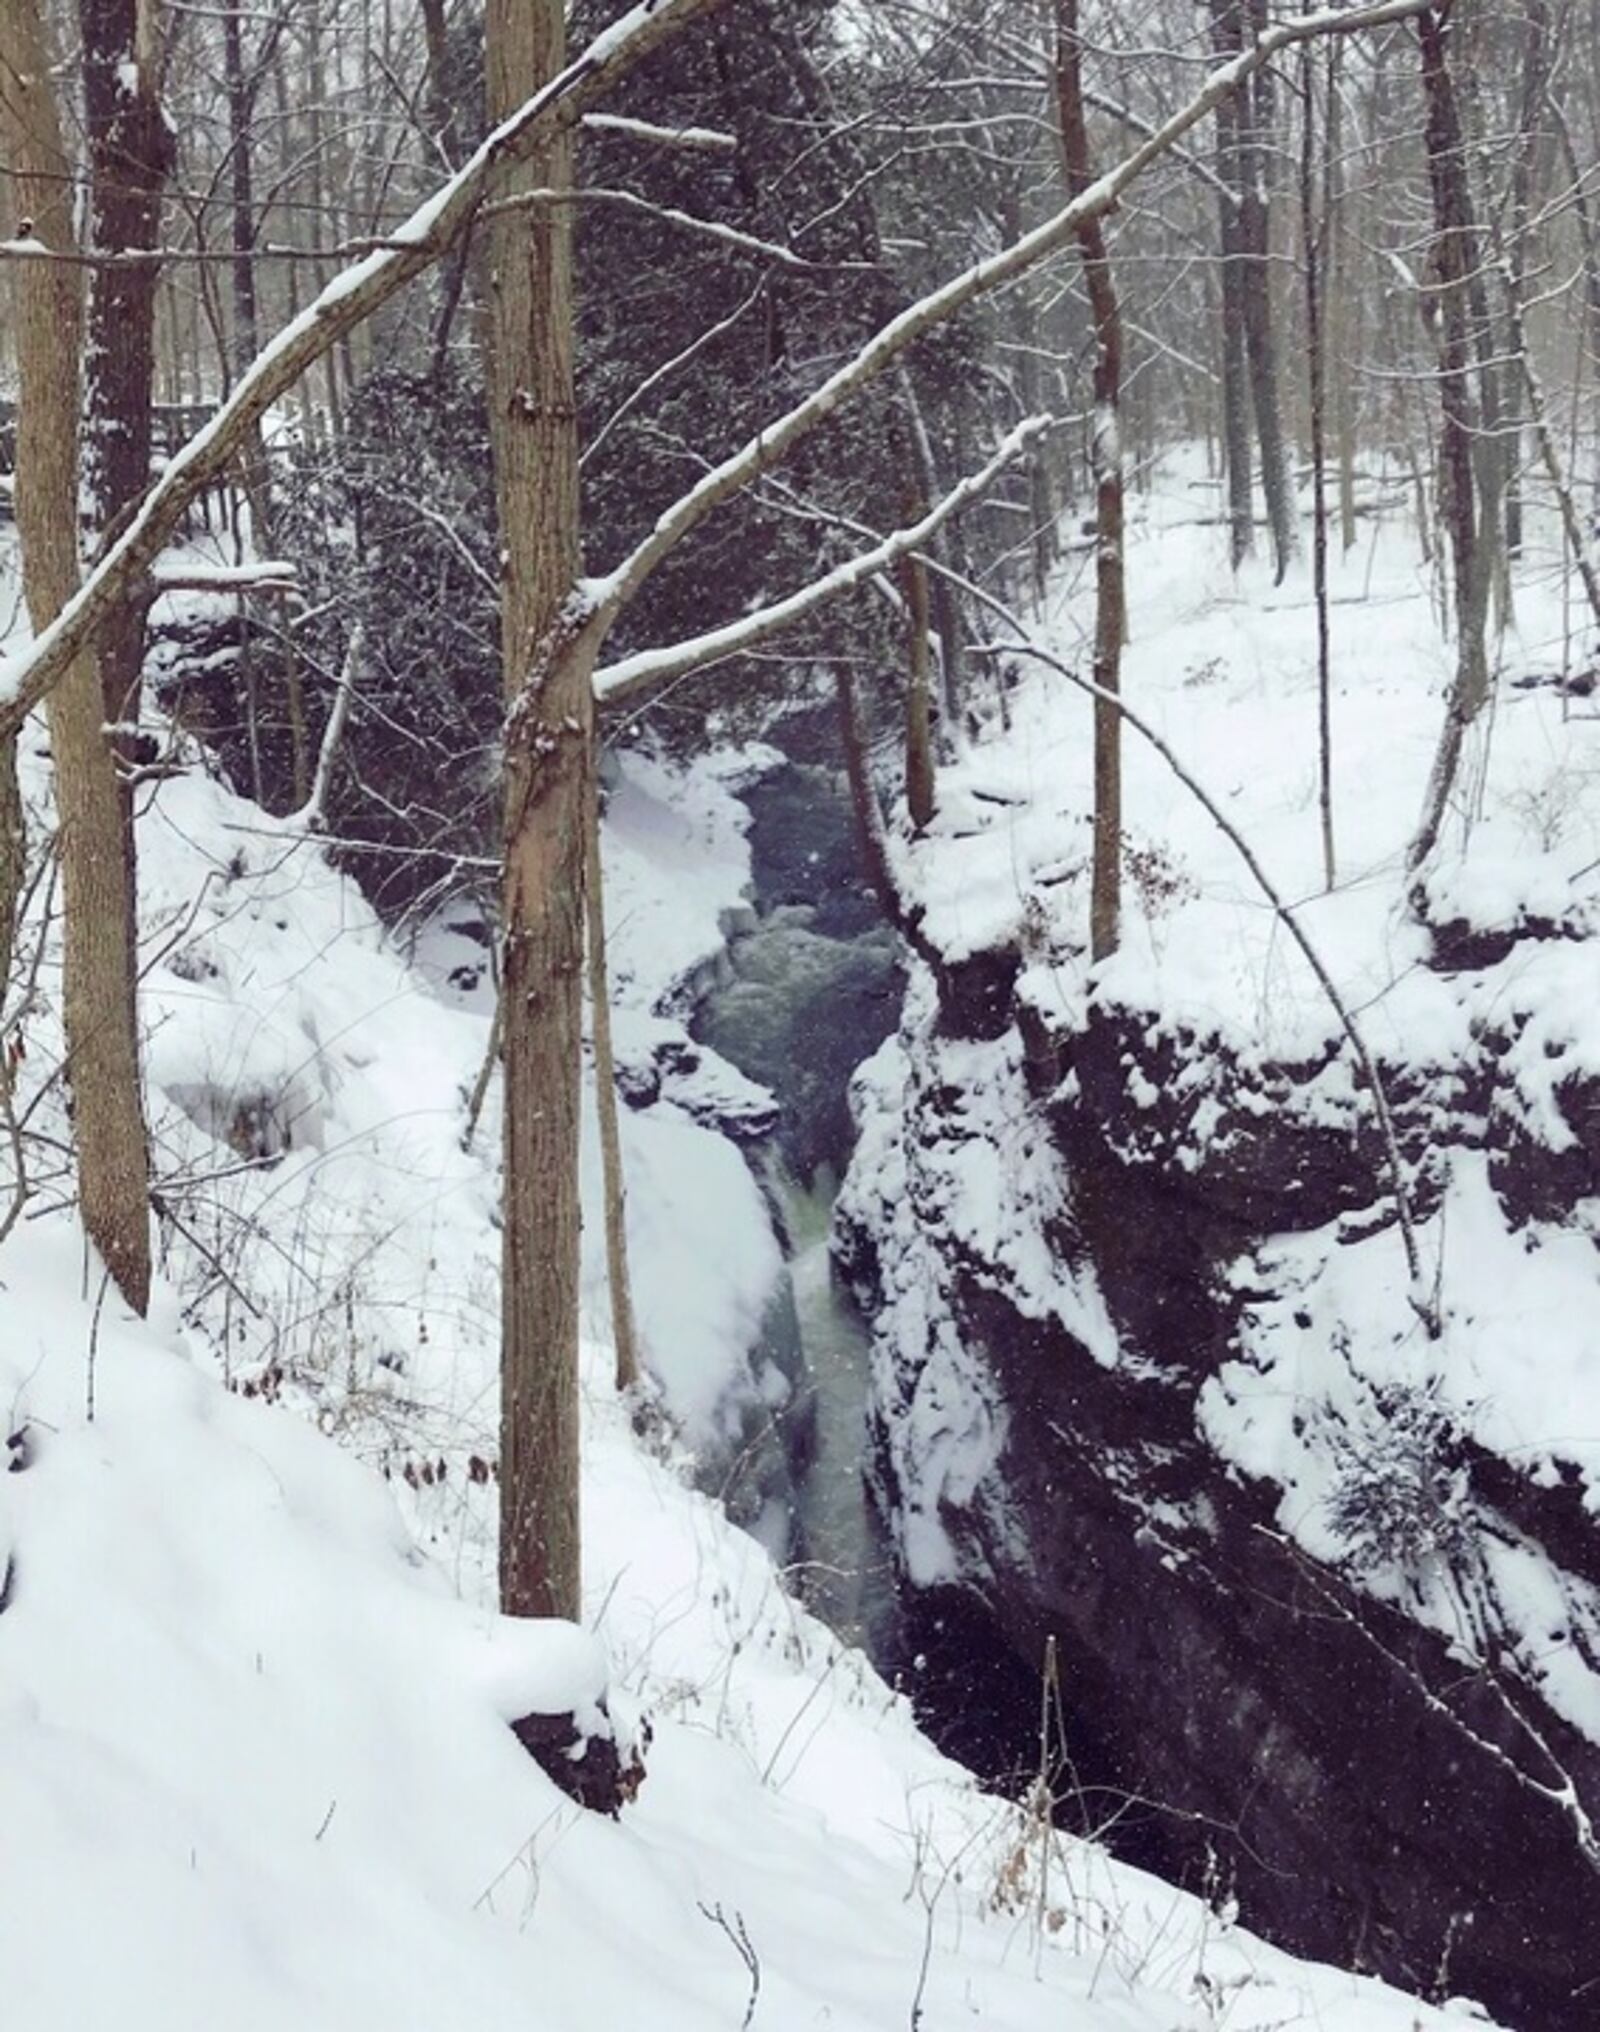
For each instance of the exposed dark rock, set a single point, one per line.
(975, 994)
(1463, 945)
(1535, 1180)
(591, 1769)
(1463, 948)
(1331, 1755)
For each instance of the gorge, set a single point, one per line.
(1071, 1230)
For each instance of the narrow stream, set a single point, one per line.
(845, 1569)
(973, 1696)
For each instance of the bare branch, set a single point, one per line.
(352, 296)
(607, 597)
(653, 666)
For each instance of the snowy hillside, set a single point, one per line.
(255, 1766)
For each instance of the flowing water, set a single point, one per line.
(844, 1567)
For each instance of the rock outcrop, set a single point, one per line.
(1147, 1382)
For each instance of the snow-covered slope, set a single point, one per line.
(255, 1768)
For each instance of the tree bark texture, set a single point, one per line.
(1257, 115)
(1111, 597)
(1314, 238)
(131, 155)
(920, 784)
(99, 964)
(548, 665)
(1236, 436)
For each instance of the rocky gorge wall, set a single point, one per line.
(1098, 1250)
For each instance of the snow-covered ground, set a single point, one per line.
(255, 1767)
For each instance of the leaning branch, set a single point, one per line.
(312, 815)
(265, 575)
(608, 597)
(352, 296)
(588, 195)
(654, 666)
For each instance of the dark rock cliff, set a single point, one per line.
(1062, 1226)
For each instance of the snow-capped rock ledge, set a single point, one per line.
(1148, 1377)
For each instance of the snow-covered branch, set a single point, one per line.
(265, 575)
(349, 298)
(653, 666)
(701, 140)
(312, 815)
(611, 594)
(711, 229)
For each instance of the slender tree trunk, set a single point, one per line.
(1044, 546)
(1341, 310)
(100, 972)
(920, 787)
(1258, 121)
(1314, 235)
(131, 155)
(946, 547)
(1526, 173)
(871, 835)
(1111, 599)
(13, 872)
(1550, 454)
(316, 74)
(241, 174)
(1454, 262)
(1494, 450)
(447, 140)
(549, 735)
(1236, 440)
(254, 472)
(624, 1332)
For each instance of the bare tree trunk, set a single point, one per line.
(624, 1333)
(549, 732)
(1044, 543)
(1236, 437)
(447, 139)
(1526, 172)
(1314, 235)
(1454, 263)
(254, 473)
(99, 962)
(13, 873)
(1342, 325)
(241, 172)
(1257, 119)
(920, 792)
(871, 836)
(131, 154)
(946, 547)
(1550, 454)
(1111, 598)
